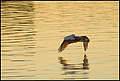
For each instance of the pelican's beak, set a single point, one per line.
(85, 44)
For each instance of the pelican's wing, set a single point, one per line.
(67, 40)
(63, 45)
(85, 44)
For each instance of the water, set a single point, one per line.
(32, 32)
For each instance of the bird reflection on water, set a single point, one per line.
(80, 69)
(68, 66)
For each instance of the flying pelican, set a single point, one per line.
(73, 39)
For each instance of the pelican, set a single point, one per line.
(73, 39)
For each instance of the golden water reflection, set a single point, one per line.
(75, 69)
(18, 40)
(32, 31)
(66, 65)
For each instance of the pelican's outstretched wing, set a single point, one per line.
(67, 40)
(63, 45)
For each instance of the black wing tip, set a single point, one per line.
(59, 50)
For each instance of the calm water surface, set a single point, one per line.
(32, 31)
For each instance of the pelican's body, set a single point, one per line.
(73, 39)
